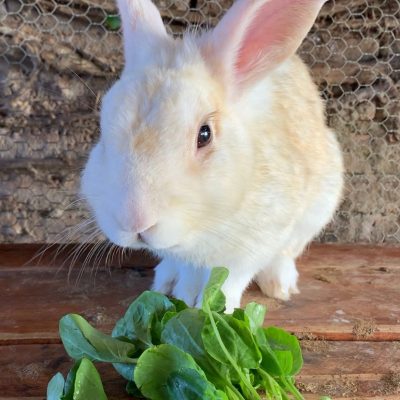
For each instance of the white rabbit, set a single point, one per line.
(214, 149)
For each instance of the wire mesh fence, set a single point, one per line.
(57, 58)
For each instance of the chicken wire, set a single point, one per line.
(57, 58)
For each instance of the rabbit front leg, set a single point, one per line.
(234, 286)
(186, 282)
(181, 280)
(166, 276)
(279, 279)
(190, 284)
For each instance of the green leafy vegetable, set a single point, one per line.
(88, 383)
(80, 339)
(168, 351)
(286, 347)
(189, 384)
(55, 388)
(213, 298)
(83, 383)
(142, 324)
(225, 344)
(184, 331)
(256, 314)
(162, 369)
(142, 321)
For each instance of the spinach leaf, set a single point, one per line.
(256, 314)
(184, 331)
(213, 298)
(239, 314)
(80, 339)
(157, 370)
(233, 394)
(167, 316)
(281, 357)
(272, 389)
(189, 384)
(249, 356)
(142, 324)
(70, 382)
(283, 343)
(142, 321)
(285, 360)
(55, 388)
(88, 383)
(83, 383)
(236, 338)
(221, 342)
(180, 305)
(269, 363)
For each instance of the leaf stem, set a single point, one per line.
(248, 385)
(292, 388)
(233, 388)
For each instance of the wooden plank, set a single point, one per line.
(350, 255)
(345, 369)
(347, 293)
(342, 369)
(36, 255)
(32, 300)
(26, 370)
(316, 256)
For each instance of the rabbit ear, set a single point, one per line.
(142, 26)
(256, 36)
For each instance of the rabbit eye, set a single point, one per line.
(204, 137)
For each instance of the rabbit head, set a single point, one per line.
(177, 151)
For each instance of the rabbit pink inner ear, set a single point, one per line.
(257, 35)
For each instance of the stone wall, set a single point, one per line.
(58, 57)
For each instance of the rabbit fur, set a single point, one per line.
(267, 183)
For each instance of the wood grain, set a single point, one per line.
(347, 317)
(366, 370)
(340, 289)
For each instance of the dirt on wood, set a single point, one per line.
(312, 343)
(364, 328)
(391, 383)
(338, 387)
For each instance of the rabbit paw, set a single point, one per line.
(181, 280)
(280, 279)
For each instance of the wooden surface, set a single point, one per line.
(347, 317)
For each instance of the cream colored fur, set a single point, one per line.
(251, 200)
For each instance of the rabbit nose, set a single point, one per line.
(141, 224)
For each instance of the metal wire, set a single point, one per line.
(58, 57)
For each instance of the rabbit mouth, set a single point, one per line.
(149, 244)
(141, 239)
